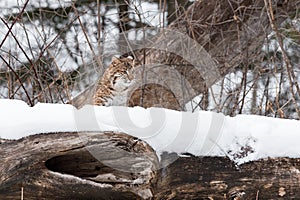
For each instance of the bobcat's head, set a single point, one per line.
(115, 81)
(120, 73)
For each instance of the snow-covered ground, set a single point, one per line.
(242, 138)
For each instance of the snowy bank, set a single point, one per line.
(242, 138)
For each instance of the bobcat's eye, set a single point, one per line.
(116, 76)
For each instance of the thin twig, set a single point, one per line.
(25, 54)
(291, 76)
(99, 23)
(85, 33)
(13, 23)
(17, 76)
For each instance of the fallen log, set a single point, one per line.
(107, 165)
(68, 166)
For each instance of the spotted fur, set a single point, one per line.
(120, 85)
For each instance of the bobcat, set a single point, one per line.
(119, 86)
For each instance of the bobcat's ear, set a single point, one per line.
(114, 58)
(130, 57)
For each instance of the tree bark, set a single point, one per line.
(218, 178)
(77, 166)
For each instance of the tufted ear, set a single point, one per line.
(130, 57)
(114, 58)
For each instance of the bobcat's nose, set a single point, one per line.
(129, 75)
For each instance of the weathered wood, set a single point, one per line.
(77, 166)
(218, 178)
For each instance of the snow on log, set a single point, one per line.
(242, 138)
